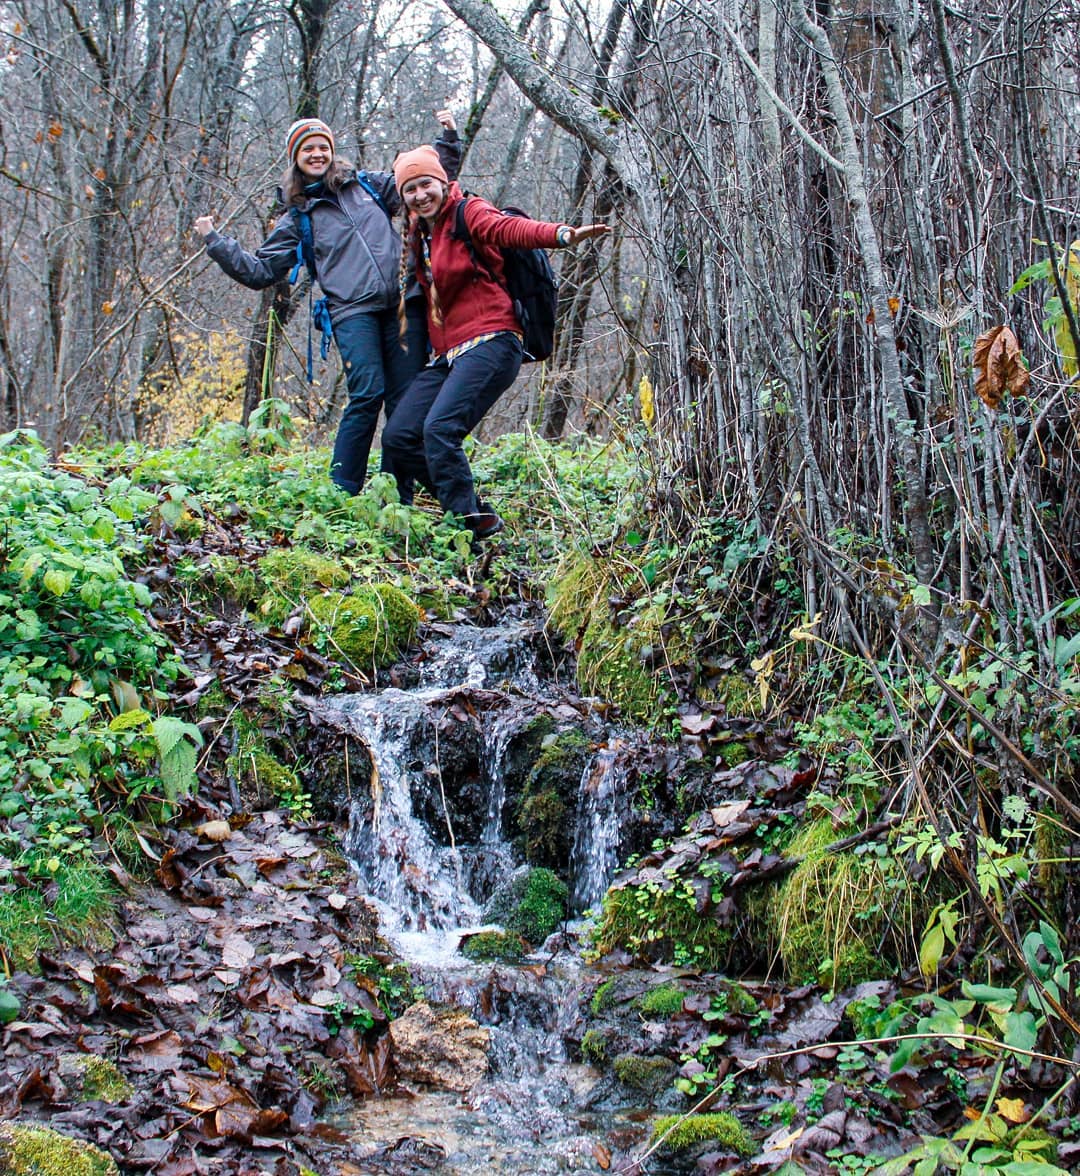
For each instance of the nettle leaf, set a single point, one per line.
(129, 720)
(1021, 1031)
(1000, 999)
(9, 1006)
(30, 565)
(57, 582)
(74, 711)
(29, 626)
(172, 511)
(931, 950)
(91, 593)
(178, 743)
(104, 529)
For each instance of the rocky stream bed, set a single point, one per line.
(280, 996)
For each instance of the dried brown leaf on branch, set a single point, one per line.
(999, 366)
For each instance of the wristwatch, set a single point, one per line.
(564, 234)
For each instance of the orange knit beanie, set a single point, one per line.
(423, 161)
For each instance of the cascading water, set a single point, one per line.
(417, 882)
(430, 842)
(431, 851)
(596, 841)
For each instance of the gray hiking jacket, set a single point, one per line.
(357, 248)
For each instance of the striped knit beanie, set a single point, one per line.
(305, 128)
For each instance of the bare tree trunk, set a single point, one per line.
(581, 269)
(903, 427)
(479, 108)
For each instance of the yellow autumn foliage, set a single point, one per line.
(201, 380)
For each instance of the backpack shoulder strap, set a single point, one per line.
(305, 247)
(364, 180)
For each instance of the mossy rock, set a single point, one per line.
(665, 1000)
(270, 775)
(594, 1046)
(734, 752)
(615, 661)
(96, 1079)
(828, 916)
(649, 1073)
(544, 818)
(736, 693)
(39, 1151)
(659, 921)
(605, 997)
(677, 1133)
(492, 947)
(532, 904)
(369, 627)
(293, 574)
(232, 579)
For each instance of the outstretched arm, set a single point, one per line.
(486, 223)
(268, 264)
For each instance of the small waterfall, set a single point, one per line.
(596, 839)
(430, 840)
(417, 882)
(430, 844)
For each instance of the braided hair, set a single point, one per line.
(410, 233)
(404, 270)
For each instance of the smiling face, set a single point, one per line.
(425, 196)
(314, 157)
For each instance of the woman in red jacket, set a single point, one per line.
(475, 335)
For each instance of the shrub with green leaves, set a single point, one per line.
(82, 662)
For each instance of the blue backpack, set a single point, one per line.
(533, 286)
(305, 258)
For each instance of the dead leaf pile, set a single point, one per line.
(220, 1001)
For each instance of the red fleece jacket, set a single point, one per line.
(471, 302)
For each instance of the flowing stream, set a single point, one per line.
(429, 840)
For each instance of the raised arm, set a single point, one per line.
(449, 148)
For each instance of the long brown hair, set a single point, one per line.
(294, 180)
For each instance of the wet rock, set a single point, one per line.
(444, 1048)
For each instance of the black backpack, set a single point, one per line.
(533, 286)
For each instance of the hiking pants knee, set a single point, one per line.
(377, 372)
(441, 407)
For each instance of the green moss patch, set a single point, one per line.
(97, 1079)
(648, 1073)
(680, 1132)
(544, 817)
(532, 905)
(828, 916)
(594, 1047)
(40, 1151)
(291, 575)
(492, 946)
(615, 659)
(77, 907)
(369, 627)
(659, 921)
(665, 1000)
(603, 998)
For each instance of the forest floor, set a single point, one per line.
(213, 1021)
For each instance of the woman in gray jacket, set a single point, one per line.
(357, 255)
